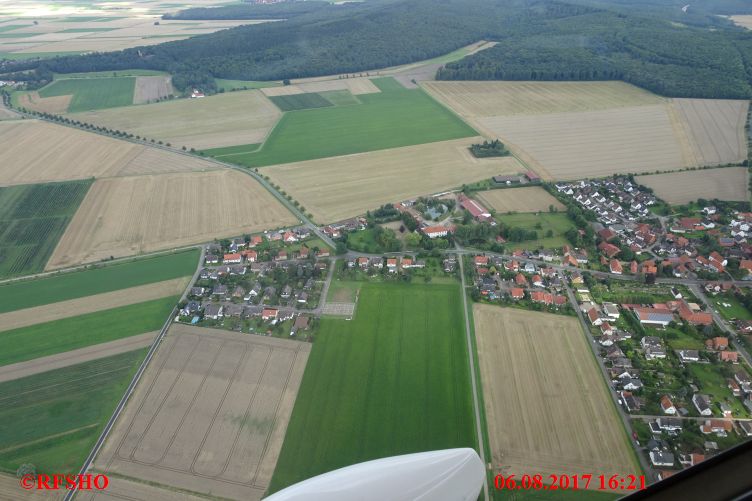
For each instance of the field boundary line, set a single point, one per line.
(476, 408)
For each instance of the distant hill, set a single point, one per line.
(538, 39)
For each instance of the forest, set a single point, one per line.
(538, 40)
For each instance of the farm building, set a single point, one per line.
(478, 212)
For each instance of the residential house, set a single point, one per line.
(269, 314)
(435, 231)
(720, 427)
(653, 347)
(667, 406)
(654, 316)
(662, 458)
(213, 311)
(516, 293)
(615, 267)
(234, 258)
(702, 404)
(688, 355)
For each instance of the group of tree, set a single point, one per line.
(537, 40)
(487, 148)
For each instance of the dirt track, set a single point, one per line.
(547, 406)
(44, 364)
(90, 304)
(163, 212)
(210, 414)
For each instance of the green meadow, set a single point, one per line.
(106, 278)
(52, 419)
(93, 93)
(391, 118)
(394, 380)
(59, 336)
(33, 217)
(556, 223)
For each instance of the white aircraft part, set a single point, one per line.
(446, 475)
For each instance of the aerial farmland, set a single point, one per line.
(168, 214)
(568, 130)
(729, 183)
(537, 422)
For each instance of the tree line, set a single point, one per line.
(537, 40)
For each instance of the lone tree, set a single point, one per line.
(26, 469)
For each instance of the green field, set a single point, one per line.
(18, 56)
(340, 97)
(105, 278)
(735, 311)
(93, 93)
(115, 73)
(391, 118)
(223, 83)
(58, 336)
(53, 419)
(393, 380)
(305, 101)
(558, 223)
(231, 151)
(33, 217)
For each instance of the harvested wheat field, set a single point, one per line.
(243, 117)
(715, 129)
(339, 187)
(356, 86)
(165, 211)
(210, 414)
(11, 490)
(547, 406)
(530, 199)
(148, 89)
(488, 99)
(571, 130)
(33, 101)
(728, 183)
(90, 304)
(743, 21)
(592, 143)
(6, 114)
(38, 152)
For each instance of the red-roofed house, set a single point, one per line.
(289, 237)
(269, 313)
(615, 267)
(746, 265)
(250, 255)
(481, 261)
(475, 209)
(517, 293)
(606, 234)
(594, 317)
(728, 356)
(435, 231)
(667, 406)
(608, 249)
(537, 281)
(520, 279)
(718, 343)
(256, 240)
(633, 267)
(542, 297)
(233, 258)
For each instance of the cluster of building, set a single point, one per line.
(537, 284)
(615, 201)
(389, 264)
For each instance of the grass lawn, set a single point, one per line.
(53, 419)
(736, 310)
(343, 291)
(678, 340)
(364, 241)
(106, 278)
(392, 118)
(33, 217)
(93, 93)
(711, 382)
(58, 336)
(393, 380)
(558, 223)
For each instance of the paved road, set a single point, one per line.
(689, 418)
(470, 351)
(622, 414)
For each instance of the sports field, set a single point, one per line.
(103, 279)
(547, 407)
(542, 223)
(36, 152)
(729, 183)
(168, 211)
(32, 219)
(210, 414)
(393, 380)
(336, 188)
(571, 130)
(530, 199)
(52, 419)
(391, 118)
(58, 336)
(92, 93)
(212, 122)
